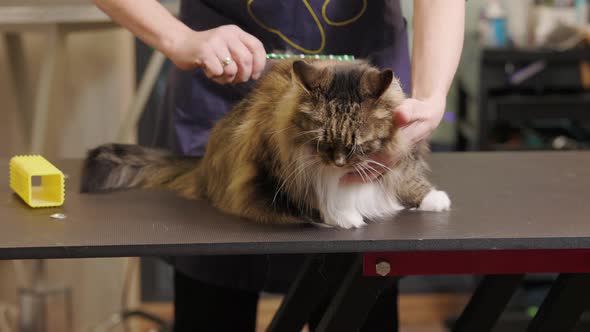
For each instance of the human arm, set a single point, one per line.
(189, 49)
(437, 44)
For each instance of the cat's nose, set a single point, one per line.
(339, 160)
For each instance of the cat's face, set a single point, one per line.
(342, 118)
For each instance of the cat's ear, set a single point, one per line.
(374, 83)
(308, 76)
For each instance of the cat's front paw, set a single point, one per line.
(435, 200)
(345, 220)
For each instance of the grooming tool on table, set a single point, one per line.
(37, 181)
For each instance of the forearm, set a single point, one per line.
(437, 44)
(148, 20)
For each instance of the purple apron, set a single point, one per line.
(377, 33)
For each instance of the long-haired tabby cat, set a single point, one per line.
(280, 155)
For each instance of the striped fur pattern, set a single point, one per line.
(280, 154)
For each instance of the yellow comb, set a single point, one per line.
(25, 171)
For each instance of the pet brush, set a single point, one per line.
(309, 56)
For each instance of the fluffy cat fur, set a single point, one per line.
(279, 155)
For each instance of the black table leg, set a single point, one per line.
(487, 303)
(568, 298)
(317, 281)
(353, 300)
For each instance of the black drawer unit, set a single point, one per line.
(520, 88)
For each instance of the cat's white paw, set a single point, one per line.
(435, 200)
(346, 220)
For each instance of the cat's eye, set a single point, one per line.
(324, 147)
(371, 146)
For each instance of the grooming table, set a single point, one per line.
(512, 214)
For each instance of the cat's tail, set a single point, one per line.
(120, 166)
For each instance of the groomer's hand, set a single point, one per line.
(419, 118)
(227, 54)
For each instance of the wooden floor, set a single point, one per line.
(418, 313)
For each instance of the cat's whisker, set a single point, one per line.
(367, 177)
(297, 179)
(303, 200)
(296, 159)
(377, 176)
(379, 164)
(354, 143)
(305, 180)
(362, 150)
(312, 131)
(283, 183)
(350, 152)
(316, 131)
(298, 169)
(274, 132)
(360, 173)
(314, 138)
(371, 169)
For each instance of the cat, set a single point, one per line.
(281, 154)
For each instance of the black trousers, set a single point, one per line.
(204, 307)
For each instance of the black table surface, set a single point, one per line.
(524, 200)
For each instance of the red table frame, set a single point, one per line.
(479, 262)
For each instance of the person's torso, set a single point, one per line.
(356, 27)
(372, 30)
(376, 33)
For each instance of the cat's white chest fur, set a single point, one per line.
(347, 205)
